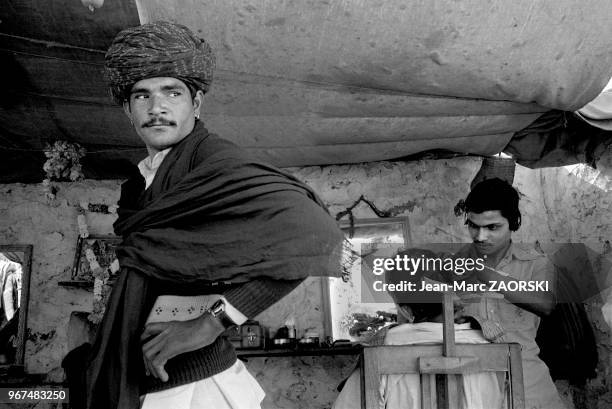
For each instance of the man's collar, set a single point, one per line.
(152, 162)
(521, 251)
(149, 165)
(518, 251)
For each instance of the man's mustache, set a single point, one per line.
(158, 122)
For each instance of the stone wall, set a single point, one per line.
(27, 218)
(557, 205)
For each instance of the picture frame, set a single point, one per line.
(102, 246)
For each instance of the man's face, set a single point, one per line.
(162, 111)
(490, 231)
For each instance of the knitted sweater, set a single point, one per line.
(250, 298)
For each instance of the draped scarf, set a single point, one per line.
(211, 214)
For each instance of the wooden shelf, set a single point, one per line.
(76, 284)
(344, 350)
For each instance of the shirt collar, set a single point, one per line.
(149, 165)
(520, 251)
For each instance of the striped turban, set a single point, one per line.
(160, 49)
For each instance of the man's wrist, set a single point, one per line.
(219, 310)
(212, 324)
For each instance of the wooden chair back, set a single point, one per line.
(448, 359)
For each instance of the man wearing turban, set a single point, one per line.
(211, 237)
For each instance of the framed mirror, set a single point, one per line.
(15, 272)
(348, 305)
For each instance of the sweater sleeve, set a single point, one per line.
(253, 297)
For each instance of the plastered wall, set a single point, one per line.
(557, 206)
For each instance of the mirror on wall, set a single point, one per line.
(348, 304)
(15, 269)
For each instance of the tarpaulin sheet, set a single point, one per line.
(319, 82)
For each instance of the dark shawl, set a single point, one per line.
(212, 213)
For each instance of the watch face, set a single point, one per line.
(217, 308)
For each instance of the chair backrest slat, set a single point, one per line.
(408, 359)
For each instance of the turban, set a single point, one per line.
(160, 49)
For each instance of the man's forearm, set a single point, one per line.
(540, 303)
(165, 340)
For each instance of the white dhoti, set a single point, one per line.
(234, 388)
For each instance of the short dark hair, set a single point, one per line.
(495, 194)
(425, 305)
(191, 86)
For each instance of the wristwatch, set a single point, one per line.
(217, 310)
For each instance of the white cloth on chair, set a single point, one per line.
(478, 390)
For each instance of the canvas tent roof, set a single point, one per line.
(318, 82)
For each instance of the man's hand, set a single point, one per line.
(539, 303)
(174, 338)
